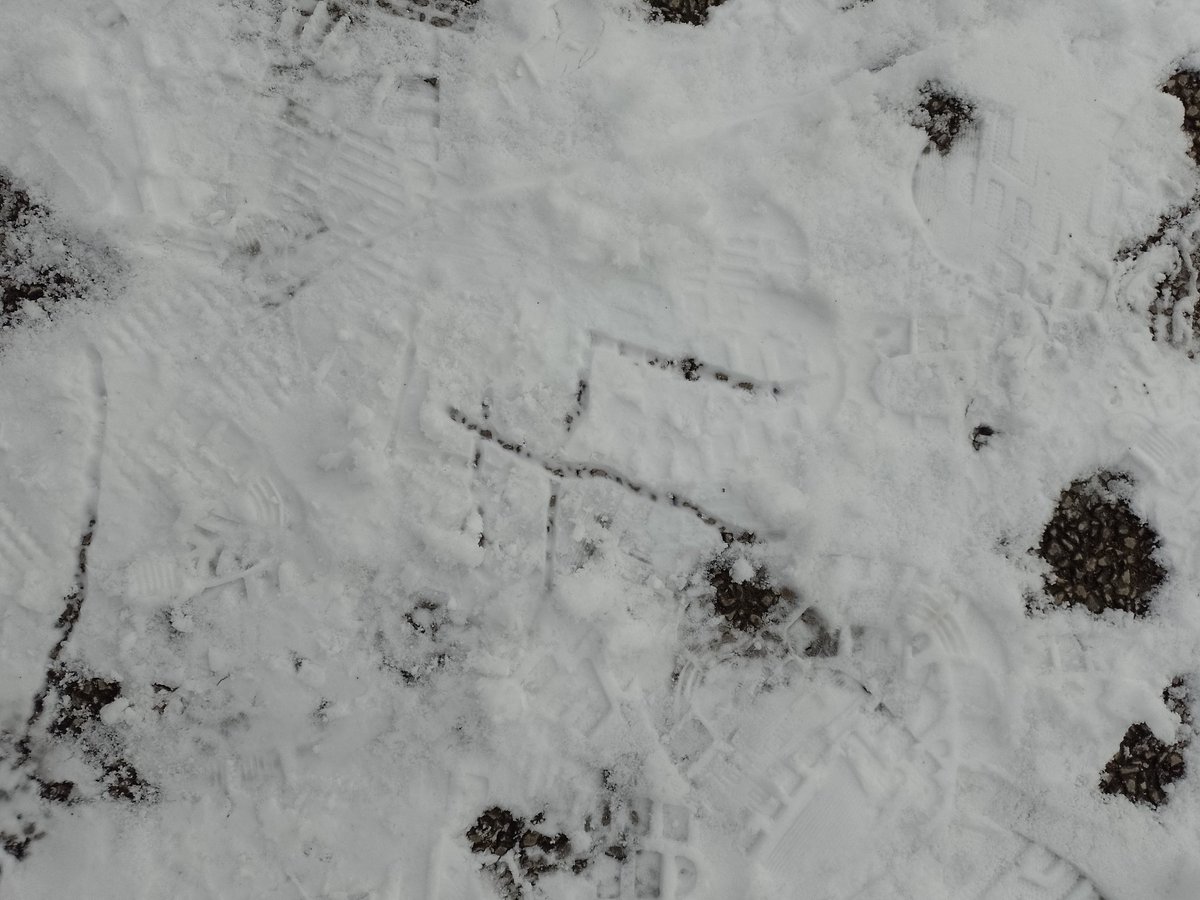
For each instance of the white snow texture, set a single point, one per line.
(417, 376)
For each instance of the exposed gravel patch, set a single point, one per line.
(687, 12)
(1144, 765)
(745, 595)
(1101, 554)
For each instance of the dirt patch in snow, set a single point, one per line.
(67, 710)
(75, 702)
(687, 12)
(981, 436)
(1144, 765)
(40, 266)
(737, 609)
(518, 851)
(1184, 85)
(80, 700)
(943, 116)
(1101, 554)
(522, 852)
(745, 596)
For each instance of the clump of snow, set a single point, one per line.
(741, 571)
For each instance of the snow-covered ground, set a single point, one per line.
(527, 449)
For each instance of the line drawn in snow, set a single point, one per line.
(580, 403)
(551, 537)
(748, 399)
(120, 779)
(691, 370)
(752, 280)
(689, 367)
(73, 603)
(562, 469)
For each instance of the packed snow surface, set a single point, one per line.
(515, 449)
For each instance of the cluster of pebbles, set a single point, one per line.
(1144, 765)
(1101, 554)
(1185, 86)
(942, 116)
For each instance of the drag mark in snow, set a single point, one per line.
(562, 469)
(73, 602)
(79, 698)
